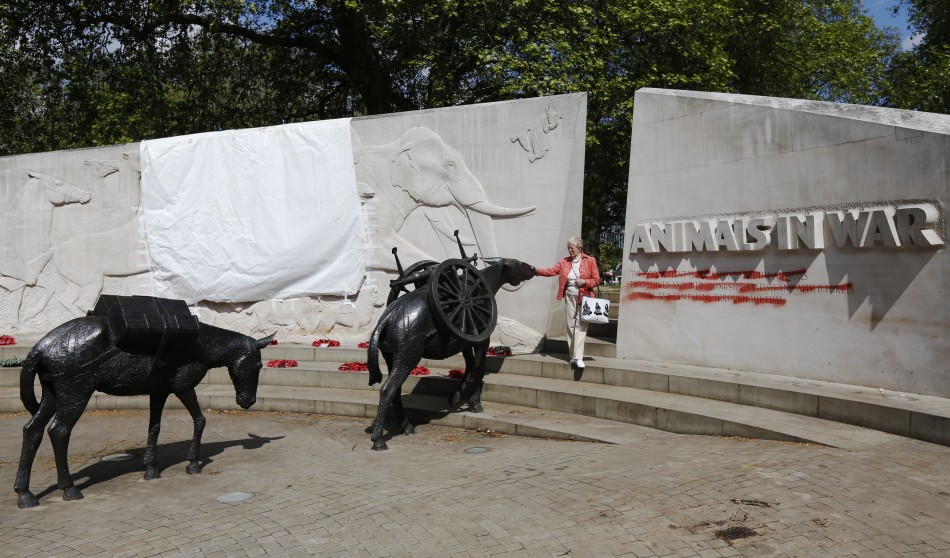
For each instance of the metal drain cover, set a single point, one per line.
(477, 449)
(233, 497)
(117, 457)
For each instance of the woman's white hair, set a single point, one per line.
(576, 243)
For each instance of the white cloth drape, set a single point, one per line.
(257, 214)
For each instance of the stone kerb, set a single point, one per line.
(508, 176)
(788, 237)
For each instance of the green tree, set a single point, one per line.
(93, 72)
(920, 77)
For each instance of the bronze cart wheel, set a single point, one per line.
(396, 292)
(461, 300)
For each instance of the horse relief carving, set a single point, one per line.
(25, 242)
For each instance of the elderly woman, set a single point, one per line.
(577, 277)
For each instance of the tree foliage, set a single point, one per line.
(920, 77)
(92, 72)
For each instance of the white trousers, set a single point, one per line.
(576, 329)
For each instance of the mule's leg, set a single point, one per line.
(456, 398)
(401, 419)
(388, 357)
(68, 410)
(477, 381)
(190, 401)
(156, 404)
(392, 385)
(32, 437)
(400, 364)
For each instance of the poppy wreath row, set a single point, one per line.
(327, 342)
(7, 340)
(499, 350)
(281, 363)
(456, 373)
(363, 367)
(272, 342)
(363, 345)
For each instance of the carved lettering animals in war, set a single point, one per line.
(899, 225)
(152, 348)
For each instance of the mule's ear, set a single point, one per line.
(261, 343)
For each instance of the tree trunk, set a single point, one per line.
(359, 59)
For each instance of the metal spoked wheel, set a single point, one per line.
(461, 300)
(396, 292)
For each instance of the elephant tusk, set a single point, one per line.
(488, 208)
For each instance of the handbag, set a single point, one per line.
(594, 309)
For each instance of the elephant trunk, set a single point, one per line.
(484, 234)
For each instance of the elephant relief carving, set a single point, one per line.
(427, 174)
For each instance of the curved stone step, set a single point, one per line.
(910, 415)
(594, 346)
(583, 401)
(422, 409)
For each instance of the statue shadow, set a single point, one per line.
(429, 400)
(168, 455)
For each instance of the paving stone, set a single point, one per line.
(321, 491)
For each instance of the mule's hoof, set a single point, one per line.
(26, 500)
(151, 474)
(193, 468)
(72, 493)
(409, 429)
(475, 408)
(380, 446)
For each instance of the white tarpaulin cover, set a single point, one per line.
(258, 214)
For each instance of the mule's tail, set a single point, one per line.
(372, 357)
(27, 376)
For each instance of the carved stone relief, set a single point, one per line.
(71, 227)
(71, 224)
(419, 178)
(418, 191)
(25, 225)
(534, 143)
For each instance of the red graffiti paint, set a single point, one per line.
(742, 287)
(714, 287)
(710, 275)
(775, 301)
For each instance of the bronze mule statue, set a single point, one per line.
(410, 329)
(80, 357)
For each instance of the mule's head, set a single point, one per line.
(511, 271)
(58, 191)
(245, 371)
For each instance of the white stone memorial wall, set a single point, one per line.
(508, 176)
(790, 237)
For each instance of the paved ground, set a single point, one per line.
(320, 491)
